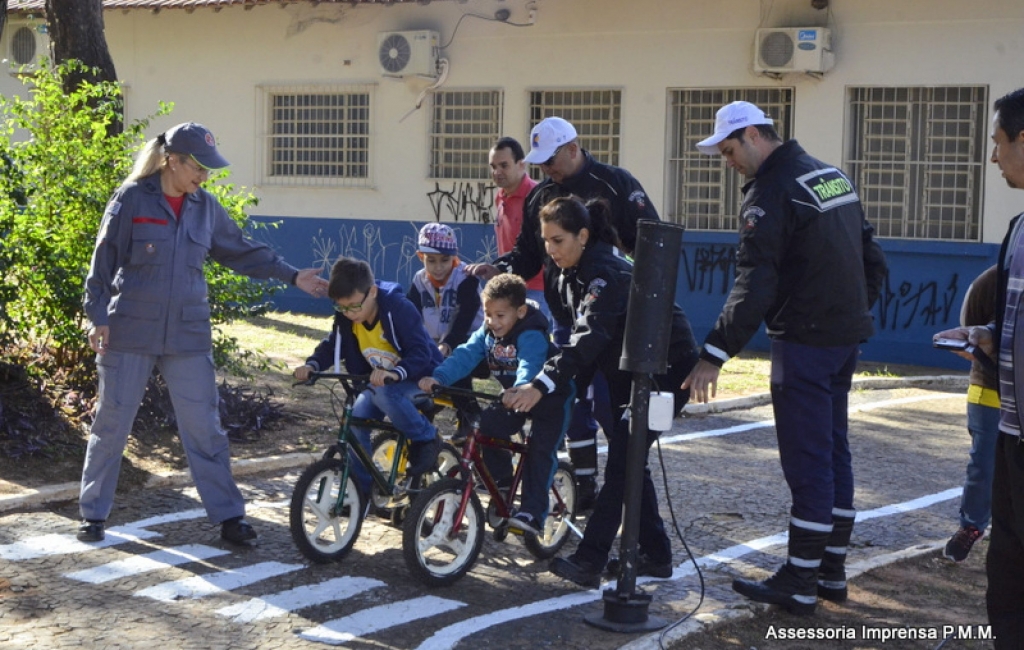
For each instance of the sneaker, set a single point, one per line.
(645, 567)
(959, 545)
(524, 522)
(423, 456)
(91, 531)
(237, 531)
(583, 573)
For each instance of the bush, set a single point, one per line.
(59, 168)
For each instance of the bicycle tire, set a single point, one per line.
(556, 526)
(320, 533)
(431, 554)
(384, 443)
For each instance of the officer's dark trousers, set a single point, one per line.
(810, 393)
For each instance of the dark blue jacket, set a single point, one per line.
(403, 328)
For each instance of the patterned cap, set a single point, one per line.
(439, 239)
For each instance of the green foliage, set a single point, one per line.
(61, 168)
(233, 296)
(59, 165)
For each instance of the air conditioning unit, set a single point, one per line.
(793, 49)
(27, 43)
(403, 54)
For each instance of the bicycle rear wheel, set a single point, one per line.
(556, 527)
(323, 531)
(436, 551)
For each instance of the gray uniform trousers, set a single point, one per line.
(192, 383)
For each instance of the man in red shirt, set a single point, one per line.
(508, 170)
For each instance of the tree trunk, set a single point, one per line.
(76, 32)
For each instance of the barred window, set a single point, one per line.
(917, 156)
(318, 136)
(463, 127)
(596, 115)
(703, 193)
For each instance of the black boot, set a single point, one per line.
(832, 576)
(584, 463)
(794, 586)
(586, 493)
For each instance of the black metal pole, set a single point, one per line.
(644, 353)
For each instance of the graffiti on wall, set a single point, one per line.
(463, 202)
(927, 303)
(390, 254)
(711, 269)
(903, 305)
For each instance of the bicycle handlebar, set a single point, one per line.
(452, 391)
(343, 377)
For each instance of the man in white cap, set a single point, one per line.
(809, 268)
(571, 170)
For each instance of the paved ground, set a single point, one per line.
(163, 573)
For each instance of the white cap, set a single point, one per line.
(549, 134)
(730, 117)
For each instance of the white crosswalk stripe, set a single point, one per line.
(283, 602)
(154, 561)
(205, 585)
(368, 621)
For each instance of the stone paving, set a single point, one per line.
(726, 491)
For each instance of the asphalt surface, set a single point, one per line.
(163, 572)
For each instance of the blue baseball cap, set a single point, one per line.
(197, 141)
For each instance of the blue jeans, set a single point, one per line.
(394, 401)
(976, 502)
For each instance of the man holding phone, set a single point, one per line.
(999, 340)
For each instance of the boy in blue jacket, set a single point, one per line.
(514, 342)
(377, 331)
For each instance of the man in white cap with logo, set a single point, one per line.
(808, 267)
(571, 170)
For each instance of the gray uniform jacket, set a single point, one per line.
(146, 281)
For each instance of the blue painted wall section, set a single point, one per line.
(922, 295)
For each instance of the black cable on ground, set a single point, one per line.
(679, 533)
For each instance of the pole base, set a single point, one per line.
(625, 614)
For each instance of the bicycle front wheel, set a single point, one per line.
(323, 530)
(436, 550)
(562, 511)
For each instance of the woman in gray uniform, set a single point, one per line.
(146, 300)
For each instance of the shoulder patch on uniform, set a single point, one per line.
(594, 290)
(828, 188)
(751, 216)
(114, 207)
(639, 198)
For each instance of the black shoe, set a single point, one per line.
(461, 433)
(959, 545)
(645, 567)
(784, 588)
(586, 493)
(583, 573)
(237, 531)
(423, 456)
(91, 531)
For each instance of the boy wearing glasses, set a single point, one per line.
(377, 331)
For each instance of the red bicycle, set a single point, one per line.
(443, 530)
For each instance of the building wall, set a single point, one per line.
(211, 63)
